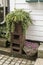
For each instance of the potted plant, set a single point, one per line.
(17, 16)
(30, 48)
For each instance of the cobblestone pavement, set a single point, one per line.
(7, 60)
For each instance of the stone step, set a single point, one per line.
(40, 51)
(2, 42)
(39, 61)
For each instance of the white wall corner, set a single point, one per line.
(12, 5)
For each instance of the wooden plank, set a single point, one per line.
(35, 17)
(34, 38)
(35, 33)
(35, 28)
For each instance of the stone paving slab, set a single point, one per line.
(40, 51)
(39, 61)
(7, 60)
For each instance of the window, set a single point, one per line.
(4, 9)
(34, 0)
(41, 0)
(1, 14)
(31, 0)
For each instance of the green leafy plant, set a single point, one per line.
(3, 30)
(17, 16)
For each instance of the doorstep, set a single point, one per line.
(3, 42)
(6, 51)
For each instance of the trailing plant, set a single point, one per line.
(30, 48)
(3, 30)
(17, 16)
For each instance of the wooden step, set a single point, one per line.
(2, 42)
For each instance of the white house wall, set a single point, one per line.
(35, 31)
(12, 2)
(2, 2)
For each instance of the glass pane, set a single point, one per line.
(41, 0)
(1, 14)
(31, 0)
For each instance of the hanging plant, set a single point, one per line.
(17, 16)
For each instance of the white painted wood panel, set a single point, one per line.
(20, 1)
(2, 3)
(35, 28)
(21, 6)
(35, 6)
(35, 31)
(36, 38)
(36, 17)
(36, 12)
(32, 6)
(12, 5)
(38, 22)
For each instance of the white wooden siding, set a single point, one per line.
(2, 3)
(35, 31)
(12, 5)
(35, 28)
(36, 38)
